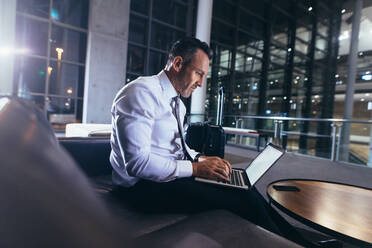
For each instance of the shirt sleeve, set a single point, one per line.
(134, 118)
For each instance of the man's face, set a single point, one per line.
(192, 75)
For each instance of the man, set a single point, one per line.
(148, 152)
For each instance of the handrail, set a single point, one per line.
(299, 119)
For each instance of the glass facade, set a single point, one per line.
(153, 27)
(51, 38)
(275, 58)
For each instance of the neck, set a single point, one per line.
(172, 78)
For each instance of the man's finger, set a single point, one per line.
(222, 173)
(221, 176)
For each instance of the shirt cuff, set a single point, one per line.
(184, 168)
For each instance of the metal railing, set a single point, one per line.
(273, 127)
(335, 135)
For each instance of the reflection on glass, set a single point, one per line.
(135, 59)
(71, 12)
(163, 37)
(31, 35)
(34, 7)
(72, 42)
(138, 30)
(65, 78)
(171, 12)
(29, 75)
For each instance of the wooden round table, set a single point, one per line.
(343, 211)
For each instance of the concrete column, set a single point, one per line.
(7, 45)
(203, 33)
(351, 72)
(106, 57)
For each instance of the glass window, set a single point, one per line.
(222, 33)
(157, 62)
(73, 12)
(68, 44)
(65, 78)
(136, 59)
(34, 7)
(163, 37)
(276, 79)
(251, 24)
(301, 47)
(140, 6)
(303, 33)
(319, 55)
(278, 55)
(170, 11)
(138, 29)
(30, 75)
(224, 10)
(322, 29)
(257, 7)
(244, 63)
(279, 28)
(321, 44)
(60, 105)
(250, 45)
(31, 36)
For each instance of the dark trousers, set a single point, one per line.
(188, 196)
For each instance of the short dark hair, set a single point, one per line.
(186, 48)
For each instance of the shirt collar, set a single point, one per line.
(168, 89)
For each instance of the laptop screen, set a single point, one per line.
(262, 163)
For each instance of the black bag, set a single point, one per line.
(207, 139)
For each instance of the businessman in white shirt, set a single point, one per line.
(150, 160)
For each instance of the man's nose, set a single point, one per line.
(200, 82)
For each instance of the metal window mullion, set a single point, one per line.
(149, 26)
(33, 17)
(168, 25)
(158, 50)
(132, 43)
(289, 63)
(67, 62)
(68, 26)
(309, 83)
(189, 19)
(48, 59)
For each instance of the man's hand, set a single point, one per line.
(212, 167)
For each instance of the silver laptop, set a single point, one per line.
(246, 178)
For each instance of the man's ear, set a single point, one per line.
(177, 63)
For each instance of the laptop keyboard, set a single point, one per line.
(235, 178)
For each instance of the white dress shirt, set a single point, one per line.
(145, 140)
